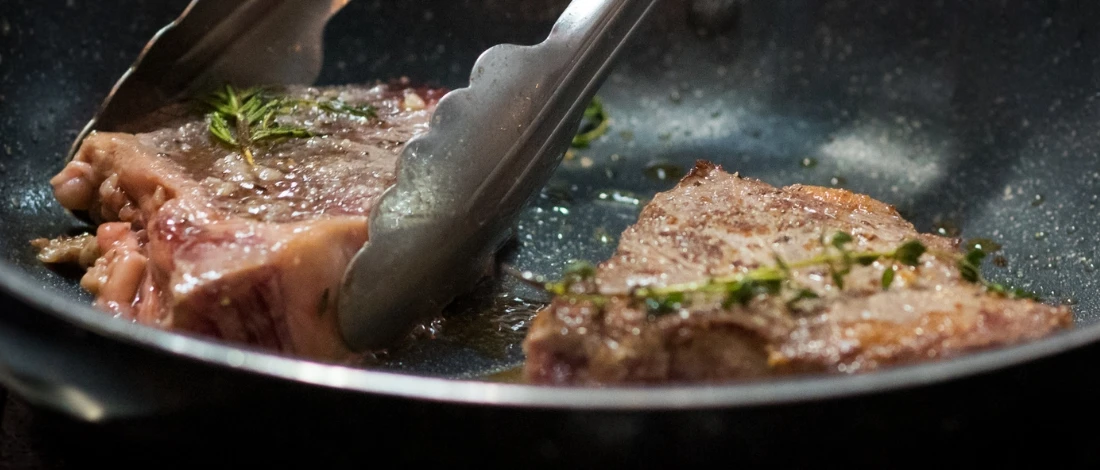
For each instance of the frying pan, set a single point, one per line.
(972, 117)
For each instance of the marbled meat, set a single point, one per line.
(193, 238)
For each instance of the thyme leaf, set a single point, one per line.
(841, 239)
(800, 295)
(970, 265)
(576, 272)
(777, 279)
(910, 252)
(838, 279)
(737, 289)
(594, 124)
(774, 280)
(887, 277)
(970, 269)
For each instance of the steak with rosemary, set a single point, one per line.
(236, 221)
(727, 278)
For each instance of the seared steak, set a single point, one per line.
(195, 238)
(715, 224)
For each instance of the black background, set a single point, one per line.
(1042, 415)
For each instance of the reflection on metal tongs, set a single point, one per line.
(460, 186)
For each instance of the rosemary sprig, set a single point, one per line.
(777, 279)
(244, 118)
(595, 124)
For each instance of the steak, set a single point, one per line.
(716, 225)
(194, 238)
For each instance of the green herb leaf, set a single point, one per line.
(767, 286)
(800, 295)
(1010, 292)
(841, 239)
(279, 132)
(970, 265)
(782, 265)
(242, 118)
(838, 279)
(741, 288)
(909, 253)
(866, 259)
(594, 124)
(975, 256)
(737, 293)
(581, 270)
(1023, 294)
(338, 107)
(664, 305)
(219, 128)
(576, 272)
(256, 109)
(887, 278)
(969, 272)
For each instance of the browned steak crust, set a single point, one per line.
(718, 224)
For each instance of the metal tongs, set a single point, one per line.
(460, 186)
(214, 42)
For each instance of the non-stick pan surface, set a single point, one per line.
(971, 117)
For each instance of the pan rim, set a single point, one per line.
(780, 391)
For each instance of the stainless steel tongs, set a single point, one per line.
(244, 42)
(460, 186)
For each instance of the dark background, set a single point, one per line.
(1041, 416)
